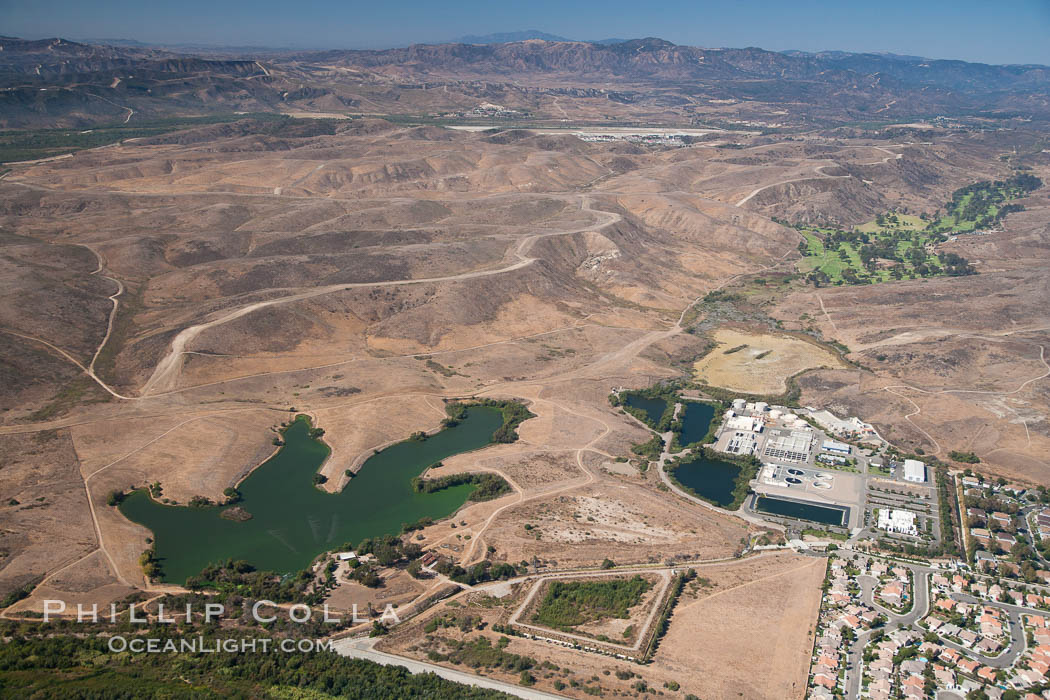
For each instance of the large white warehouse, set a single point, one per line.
(914, 470)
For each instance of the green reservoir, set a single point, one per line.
(653, 408)
(293, 521)
(711, 479)
(696, 420)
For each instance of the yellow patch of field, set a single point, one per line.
(906, 222)
(759, 363)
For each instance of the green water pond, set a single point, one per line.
(292, 520)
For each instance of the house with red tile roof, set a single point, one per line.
(892, 592)
(945, 604)
(829, 661)
(826, 678)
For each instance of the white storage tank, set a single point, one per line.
(774, 414)
(761, 406)
(738, 404)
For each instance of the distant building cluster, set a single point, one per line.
(487, 110)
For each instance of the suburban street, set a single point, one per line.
(1017, 637)
(919, 609)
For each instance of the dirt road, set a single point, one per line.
(165, 376)
(365, 649)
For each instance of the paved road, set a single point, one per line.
(919, 609)
(666, 457)
(1017, 637)
(363, 649)
(1006, 658)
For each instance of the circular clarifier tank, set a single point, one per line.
(822, 484)
(796, 472)
(793, 480)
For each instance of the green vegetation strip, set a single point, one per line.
(571, 603)
(825, 534)
(74, 666)
(662, 622)
(650, 449)
(31, 144)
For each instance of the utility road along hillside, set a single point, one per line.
(166, 374)
(365, 649)
(821, 174)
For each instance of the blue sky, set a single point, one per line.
(1008, 31)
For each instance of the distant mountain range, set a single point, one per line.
(651, 74)
(657, 59)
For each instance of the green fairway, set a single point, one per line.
(983, 205)
(898, 246)
(834, 256)
(903, 222)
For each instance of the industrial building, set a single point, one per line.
(747, 423)
(900, 521)
(914, 471)
(742, 443)
(835, 446)
(790, 447)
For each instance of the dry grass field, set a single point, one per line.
(749, 632)
(759, 363)
(733, 632)
(170, 300)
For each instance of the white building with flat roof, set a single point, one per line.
(835, 446)
(748, 423)
(914, 470)
(901, 521)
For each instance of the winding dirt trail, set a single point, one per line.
(817, 170)
(589, 478)
(112, 314)
(918, 409)
(129, 110)
(89, 369)
(821, 174)
(165, 376)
